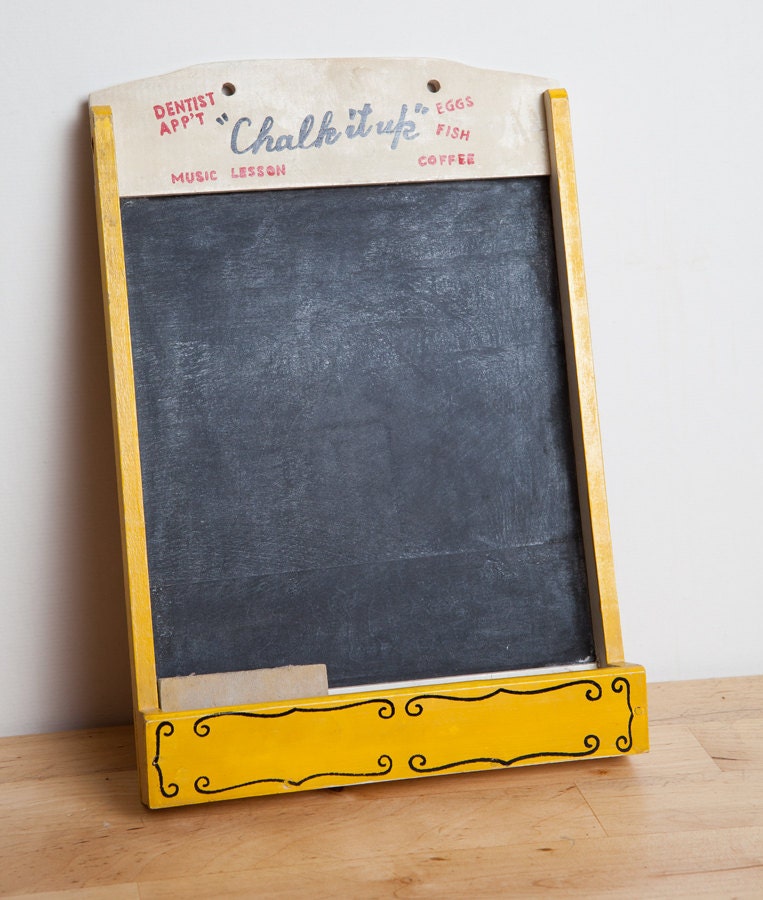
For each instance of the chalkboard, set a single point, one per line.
(355, 434)
(364, 521)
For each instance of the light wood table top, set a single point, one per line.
(685, 820)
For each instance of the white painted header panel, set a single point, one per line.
(298, 123)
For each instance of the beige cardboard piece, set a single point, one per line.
(223, 689)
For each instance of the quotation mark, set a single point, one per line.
(221, 120)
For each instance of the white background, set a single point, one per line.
(666, 100)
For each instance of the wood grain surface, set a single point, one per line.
(685, 820)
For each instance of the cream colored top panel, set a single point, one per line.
(298, 123)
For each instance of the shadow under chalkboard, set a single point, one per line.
(355, 433)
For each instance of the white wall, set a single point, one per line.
(665, 101)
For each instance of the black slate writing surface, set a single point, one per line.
(354, 431)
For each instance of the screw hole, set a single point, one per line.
(433, 85)
(229, 89)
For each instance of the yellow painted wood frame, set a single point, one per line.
(377, 735)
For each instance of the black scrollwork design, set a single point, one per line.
(202, 728)
(202, 783)
(418, 762)
(625, 741)
(591, 742)
(414, 707)
(167, 729)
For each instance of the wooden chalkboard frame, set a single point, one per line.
(400, 732)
